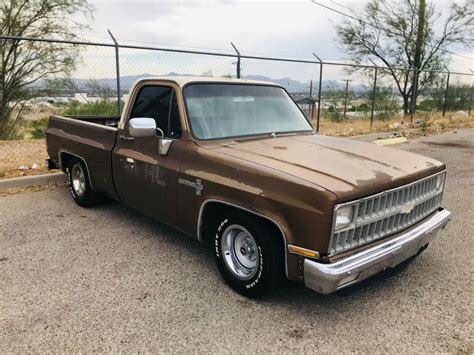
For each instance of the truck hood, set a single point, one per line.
(348, 168)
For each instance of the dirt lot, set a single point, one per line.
(26, 152)
(109, 279)
(432, 123)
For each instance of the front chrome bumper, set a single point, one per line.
(327, 278)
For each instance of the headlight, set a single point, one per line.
(344, 217)
(439, 181)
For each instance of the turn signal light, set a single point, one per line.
(302, 251)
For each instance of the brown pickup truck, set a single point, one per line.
(236, 164)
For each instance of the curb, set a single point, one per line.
(35, 180)
(390, 141)
(371, 137)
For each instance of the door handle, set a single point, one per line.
(130, 161)
(125, 138)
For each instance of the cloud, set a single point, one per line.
(293, 28)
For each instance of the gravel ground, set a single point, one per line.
(108, 279)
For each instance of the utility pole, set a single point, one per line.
(311, 105)
(345, 96)
(420, 32)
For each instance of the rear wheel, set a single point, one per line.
(248, 254)
(80, 186)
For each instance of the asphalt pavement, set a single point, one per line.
(107, 279)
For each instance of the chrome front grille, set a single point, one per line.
(389, 212)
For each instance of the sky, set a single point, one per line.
(295, 28)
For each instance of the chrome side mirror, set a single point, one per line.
(142, 127)
(164, 143)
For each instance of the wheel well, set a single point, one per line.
(212, 209)
(64, 160)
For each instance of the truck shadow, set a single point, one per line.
(290, 295)
(377, 283)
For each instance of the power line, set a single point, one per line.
(456, 54)
(345, 7)
(344, 14)
(371, 24)
(157, 43)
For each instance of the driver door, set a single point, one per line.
(145, 179)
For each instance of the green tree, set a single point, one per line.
(457, 98)
(24, 63)
(402, 34)
(95, 88)
(386, 102)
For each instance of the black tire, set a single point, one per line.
(83, 194)
(268, 250)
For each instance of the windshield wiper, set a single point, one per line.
(278, 133)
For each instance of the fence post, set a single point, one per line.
(373, 95)
(117, 68)
(238, 59)
(470, 102)
(413, 93)
(446, 94)
(470, 99)
(319, 90)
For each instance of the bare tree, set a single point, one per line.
(402, 34)
(23, 63)
(104, 92)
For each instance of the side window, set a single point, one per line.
(157, 102)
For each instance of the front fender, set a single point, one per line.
(302, 211)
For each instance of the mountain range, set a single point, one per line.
(290, 84)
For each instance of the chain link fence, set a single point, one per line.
(338, 98)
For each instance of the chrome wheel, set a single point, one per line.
(78, 180)
(240, 252)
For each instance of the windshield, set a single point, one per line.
(232, 110)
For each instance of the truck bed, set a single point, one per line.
(91, 138)
(110, 121)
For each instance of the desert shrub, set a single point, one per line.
(458, 96)
(427, 105)
(98, 108)
(386, 103)
(38, 128)
(333, 114)
(14, 133)
(362, 108)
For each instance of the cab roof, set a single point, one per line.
(184, 80)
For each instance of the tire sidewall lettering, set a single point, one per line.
(260, 271)
(217, 237)
(71, 189)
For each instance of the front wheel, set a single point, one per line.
(248, 254)
(80, 186)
